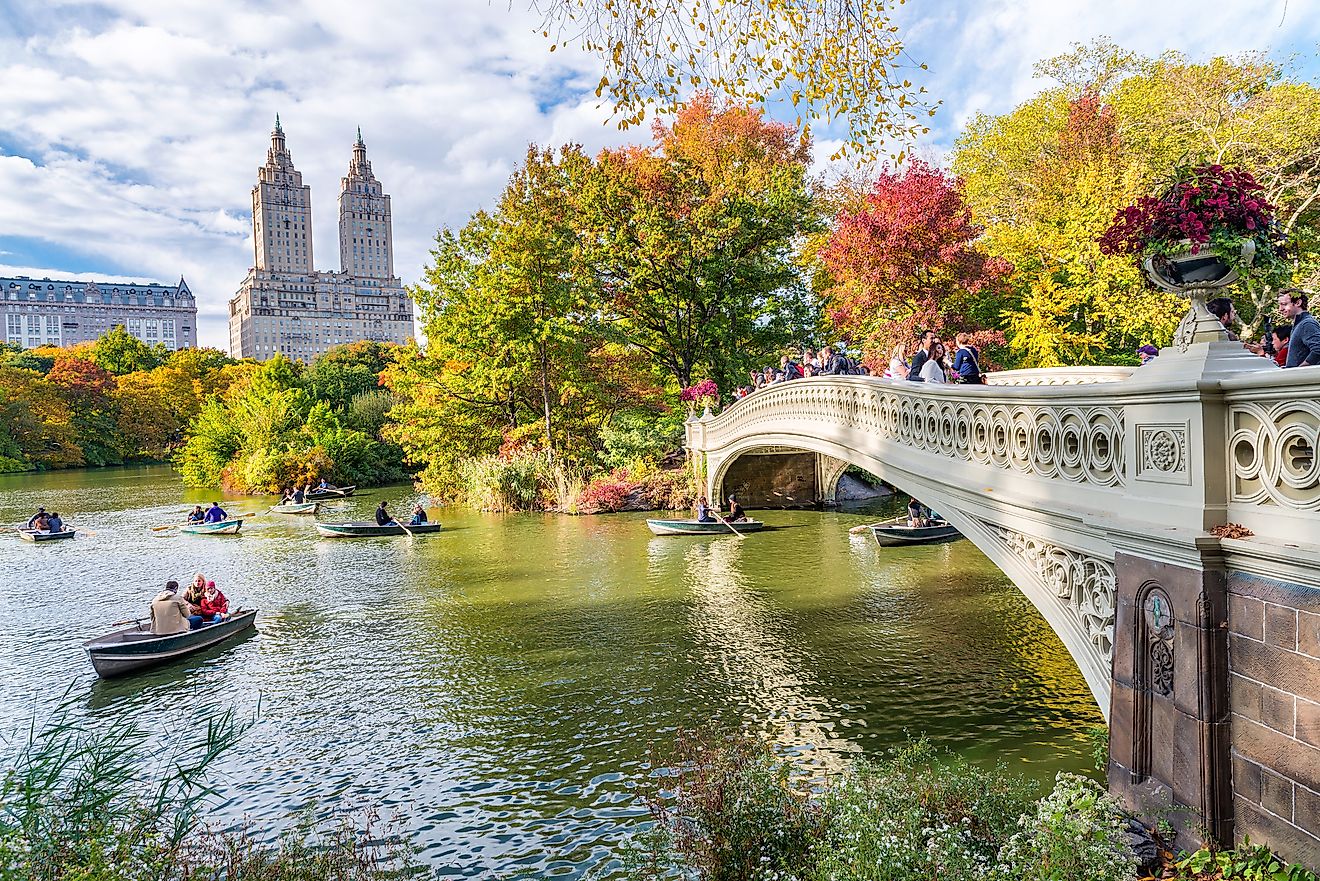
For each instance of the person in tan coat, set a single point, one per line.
(169, 611)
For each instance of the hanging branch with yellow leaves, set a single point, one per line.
(831, 59)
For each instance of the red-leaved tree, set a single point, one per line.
(906, 261)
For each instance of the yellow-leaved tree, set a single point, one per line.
(1046, 179)
(829, 59)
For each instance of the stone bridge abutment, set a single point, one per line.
(1096, 490)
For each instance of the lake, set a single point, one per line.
(502, 684)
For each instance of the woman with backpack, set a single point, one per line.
(967, 361)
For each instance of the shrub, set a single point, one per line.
(504, 483)
(1075, 832)
(1249, 862)
(731, 814)
(634, 439)
(607, 492)
(919, 815)
(671, 489)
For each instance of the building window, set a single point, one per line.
(153, 330)
(167, 329)
(135, 327)
(15, 329)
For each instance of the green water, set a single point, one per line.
(501, 684)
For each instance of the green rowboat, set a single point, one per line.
(698, 527)
(296, 508)
(137, 648)
(364, 528)
(220, 527)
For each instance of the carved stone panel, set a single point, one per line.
(1273, 454)
(1162, 453)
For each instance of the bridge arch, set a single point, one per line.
(1072, 589)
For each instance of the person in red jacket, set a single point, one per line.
(213, 607)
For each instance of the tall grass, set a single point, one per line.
(118, 804)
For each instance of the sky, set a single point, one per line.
(131, 130)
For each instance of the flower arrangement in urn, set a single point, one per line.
(703, 395)
(1210, 227)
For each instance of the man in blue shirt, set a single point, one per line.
(216, 514)
(1304, 343)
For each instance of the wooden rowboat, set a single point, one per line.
(897, 532)
(364, 528)
(38, 535)
(296, 508)
(320, 495)
(137, 648)
(220, 527)
(698, 527)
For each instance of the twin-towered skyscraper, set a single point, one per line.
(285, 304)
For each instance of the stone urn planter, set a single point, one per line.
(1192, 276)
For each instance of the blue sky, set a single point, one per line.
(131, 130)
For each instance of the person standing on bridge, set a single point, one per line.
(929, 340)
(933, 370)
(967, 361)
(1304, 342)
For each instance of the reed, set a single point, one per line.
(115, 803)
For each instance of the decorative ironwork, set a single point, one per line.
(1159, 621)
(1085, 584)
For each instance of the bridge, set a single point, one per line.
(1097, 490)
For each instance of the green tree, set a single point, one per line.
(342, 372)
(692, 242)
(120, 352)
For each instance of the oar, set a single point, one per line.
(728, 524)
(166, 526)
(858, 530)
(405, 529)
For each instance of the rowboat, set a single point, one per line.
(361, 528)
(39, 535)
(220, 527)
(136, 647)
(897, 532)
(698, 527)
(319, 495)
(296, 508)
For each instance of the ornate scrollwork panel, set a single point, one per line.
(1085, 584)
(1273, 453)
(1159, 629)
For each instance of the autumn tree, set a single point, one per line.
(691, 241)
(828, 59)
(87, 389)
(1046, 179)
(906, 259)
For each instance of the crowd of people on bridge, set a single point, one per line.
(926, 359)
(1294, 341)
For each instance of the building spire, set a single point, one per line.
(359, 140)
(279, 128)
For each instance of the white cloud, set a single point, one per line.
(131, 130)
